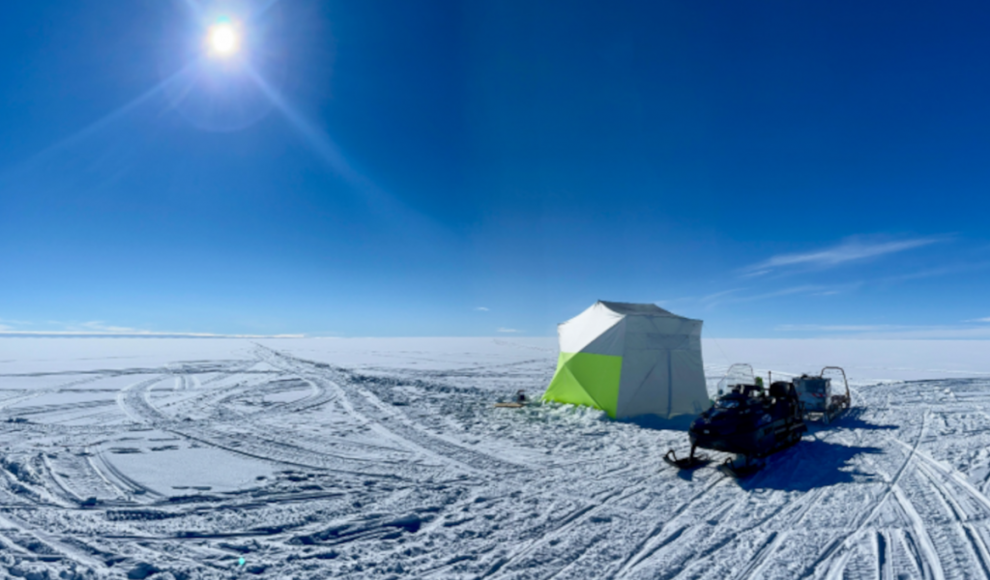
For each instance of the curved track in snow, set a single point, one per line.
(325, 468)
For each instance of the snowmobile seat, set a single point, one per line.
(749, 391)
(779, 389)
(781, 407)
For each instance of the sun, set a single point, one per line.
(223, 39)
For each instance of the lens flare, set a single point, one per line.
(223, 39)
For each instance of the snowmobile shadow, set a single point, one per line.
(809, 465)
(688, 474)
(658, 423)
(851, 419)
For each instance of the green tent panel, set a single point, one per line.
(587, 379)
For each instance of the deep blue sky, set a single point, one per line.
(778, 169)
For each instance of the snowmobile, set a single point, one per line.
(815, 394)
(746, 421)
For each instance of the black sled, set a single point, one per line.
(817, 397)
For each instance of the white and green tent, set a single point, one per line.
(630, 359)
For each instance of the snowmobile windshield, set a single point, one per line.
(738, 374)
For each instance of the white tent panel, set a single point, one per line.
(652, 393)
(611, 342)
(585, 328)
(688, 373)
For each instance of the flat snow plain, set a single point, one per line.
(384, 458)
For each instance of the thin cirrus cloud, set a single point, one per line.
(728, 298)
(718, 296)
(482, 308)
(508, 330)
(834, 327)
(739, 295)
(6, 332)
(891, 332)
(851, 250)
(98, 328)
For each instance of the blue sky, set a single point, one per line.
(778, 169)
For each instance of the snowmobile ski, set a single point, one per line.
(692, 461)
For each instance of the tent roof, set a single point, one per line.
(632, 308)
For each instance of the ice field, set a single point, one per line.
(384, 458)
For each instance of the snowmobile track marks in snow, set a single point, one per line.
(566, 524)
(135, 402)
(646, 547)
(366, 407)
(848, 515)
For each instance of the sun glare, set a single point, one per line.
(223, 39)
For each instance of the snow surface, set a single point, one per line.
(384, 458)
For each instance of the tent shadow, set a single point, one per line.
(809, 465)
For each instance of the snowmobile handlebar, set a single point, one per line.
(844, 379)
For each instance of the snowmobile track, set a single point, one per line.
(566, 524)
(649, 545)
(403, 472)
(395, 426)
(134, 401)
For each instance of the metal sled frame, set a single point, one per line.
(839, 403)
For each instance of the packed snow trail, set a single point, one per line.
(315, 461)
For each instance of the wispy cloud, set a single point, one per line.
(137, 334)
(482, 308)
(719, 295)
(706, 300)
(932, 332)
(892, 331)
(101, 326)
(749, 273)
(851, 250)
(739, 295)
(940, 271)
(508, 330)
(834, 327)
(98, 328)
(987, 319)
(792, 290)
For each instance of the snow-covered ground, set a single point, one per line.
(384, 458)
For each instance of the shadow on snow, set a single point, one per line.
(851, 419)
(817, 463)
(810, 464)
